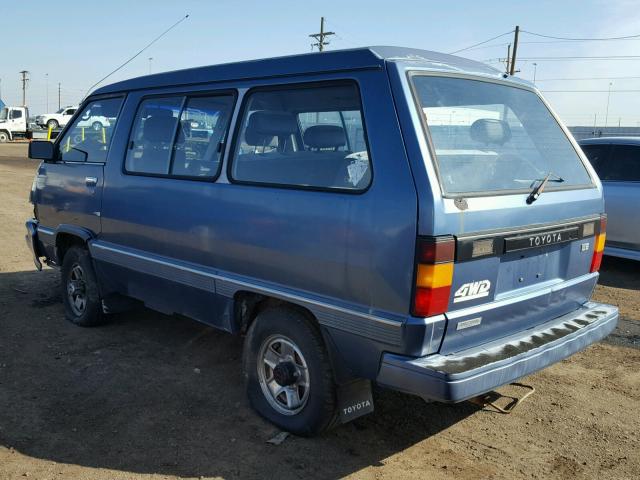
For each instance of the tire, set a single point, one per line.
(53, 124)
(4, 137)
(97, 126)
(80, 293)
(317, 407)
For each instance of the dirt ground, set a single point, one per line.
(153, 396)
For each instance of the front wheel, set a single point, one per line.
(289, 379)
(80, 294)
(97, 126)
(4, 137)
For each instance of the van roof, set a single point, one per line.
(328, 61)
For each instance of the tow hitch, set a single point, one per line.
(491, 398)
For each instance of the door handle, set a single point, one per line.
(91, 181)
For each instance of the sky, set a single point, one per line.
(75, 43)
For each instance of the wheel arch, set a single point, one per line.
(68, 236)
(247, 305)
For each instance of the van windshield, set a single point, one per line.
(492, 137)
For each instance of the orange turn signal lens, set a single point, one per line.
(434, 276)
(599, 243)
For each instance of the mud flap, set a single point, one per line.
(354, 399)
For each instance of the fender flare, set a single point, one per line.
(82, 233)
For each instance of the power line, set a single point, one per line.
(139, 52)
(590, 91)
(575, 79)
(481, 43)
(584, 39)
(585, 57)
(538, 42)
(349, 39)
(569, 58)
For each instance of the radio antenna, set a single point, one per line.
(130, 59)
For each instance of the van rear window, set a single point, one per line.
(491, 137)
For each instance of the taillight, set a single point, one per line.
(434, 275)
(598, 245)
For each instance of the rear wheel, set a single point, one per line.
(288, 376)
(80, 292)
(52, 124)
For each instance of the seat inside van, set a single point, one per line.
(279, 152)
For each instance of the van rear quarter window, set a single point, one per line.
(490, 137)
(311, 136)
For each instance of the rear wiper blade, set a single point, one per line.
(538, 189)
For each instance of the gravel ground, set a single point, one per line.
(153, 396)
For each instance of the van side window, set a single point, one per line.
(89, 137)
(203, 126)
(305, 137)
(623, 165)
(178, 136)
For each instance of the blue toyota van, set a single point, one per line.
(386, 215)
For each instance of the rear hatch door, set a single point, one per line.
(511, 186)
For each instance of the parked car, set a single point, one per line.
(617, 162)
(58, 119)
(381, 214)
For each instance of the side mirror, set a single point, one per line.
(42, 150)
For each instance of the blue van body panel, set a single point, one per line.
(346, 257)
(192, 246)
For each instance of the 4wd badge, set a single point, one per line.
(472, 290)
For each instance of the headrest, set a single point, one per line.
(264, 125)
(324, 136)
(159, 128)
(490, 130)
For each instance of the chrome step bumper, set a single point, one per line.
(466, 374)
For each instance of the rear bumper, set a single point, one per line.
(466, 374)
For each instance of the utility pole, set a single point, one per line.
(150, 60)
(46, 79)
(508, 59)
(512, 70)
(320, 37)
(24, 79)
(606, 115)
(58, 95)
(535, 68)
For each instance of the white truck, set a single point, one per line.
(56, 120)
(14, 123)
(90, 119)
